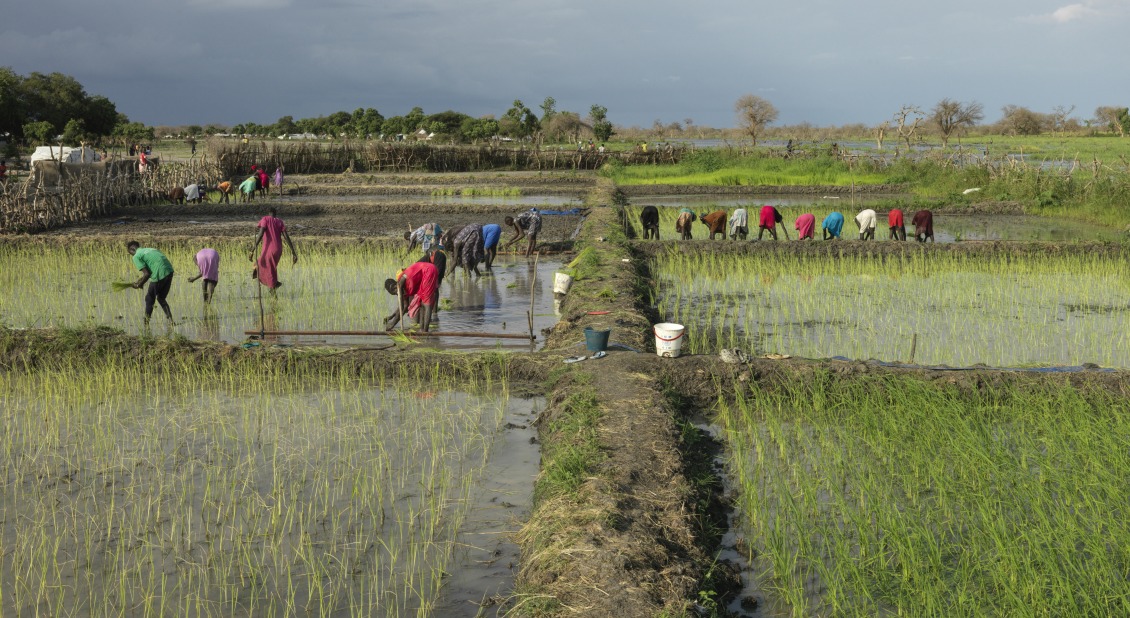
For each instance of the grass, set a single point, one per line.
(894, 496)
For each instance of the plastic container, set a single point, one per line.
(596, 340)
(561, 283)
(668, 339)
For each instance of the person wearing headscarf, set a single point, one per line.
(684, 222)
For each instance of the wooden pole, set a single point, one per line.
(533, 280)
(383, 333)
(913, 345)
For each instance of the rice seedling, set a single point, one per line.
(960, 309)
(221, 491)
(894, 496)
(333, 287)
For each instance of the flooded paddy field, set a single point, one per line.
(889, 494)
(233, 488)
(935, 308)
(335, 286)
(949, 226)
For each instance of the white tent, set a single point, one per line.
(66, 153)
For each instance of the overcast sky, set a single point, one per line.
(825, 62)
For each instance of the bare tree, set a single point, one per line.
(754, 113)
(880, 133)
(907, 121)
(1117, 119)
(1059, 117)
(951, 117)
(1017, 120)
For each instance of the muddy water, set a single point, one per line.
(486, 556)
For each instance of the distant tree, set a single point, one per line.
(519, 121)
(338, 123)
(12, 117)
(74, 132)
(880, 133)
(477, 130)
(100, 116)
(39, 133)
(366, 122)
(447, 123)
(907, 120)
(126, 133)
(754, 114)
(548, 110)
(565, 127)
(414, 120)
(284, 126)
(601, 126)
(951, 117)
(194, 130)
(212, 129)
(1115, 119)
(1059, 117)
(1016, 120)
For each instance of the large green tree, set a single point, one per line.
(601, 126)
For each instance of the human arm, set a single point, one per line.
(145, 275)
(402, 307)
(286, 237)
(518, 234)
(254, 247)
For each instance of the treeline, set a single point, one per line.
(36, 108)
(519, 123)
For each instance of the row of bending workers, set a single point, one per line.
(769, 218)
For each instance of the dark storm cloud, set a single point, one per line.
(823, 62)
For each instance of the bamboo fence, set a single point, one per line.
(236, 159)
(54, 196)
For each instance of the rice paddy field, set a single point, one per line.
(953, 308)
(895, 496)
(948, 227)
(334, 286)
(139, 490)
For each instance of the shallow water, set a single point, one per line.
(246, 500)
(337, 292)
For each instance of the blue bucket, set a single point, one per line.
(596, 340)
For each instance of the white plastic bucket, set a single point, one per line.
(668, 339)
(561, 283)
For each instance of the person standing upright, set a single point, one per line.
(272, 233)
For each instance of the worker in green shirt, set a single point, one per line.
(158, 271)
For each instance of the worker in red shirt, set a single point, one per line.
(898, 228)
(416, 288)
